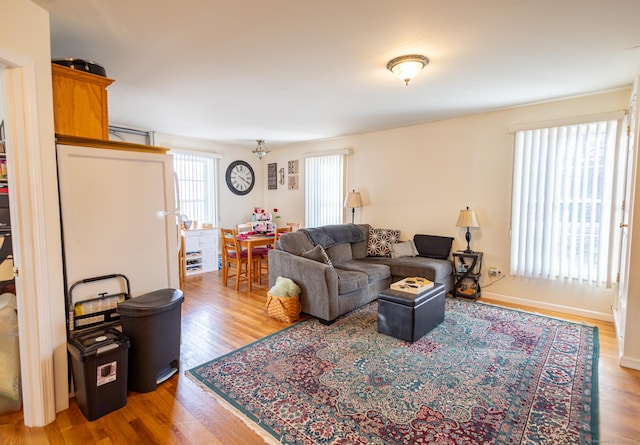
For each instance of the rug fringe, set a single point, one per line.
(268, 438)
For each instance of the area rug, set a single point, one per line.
(486, 375)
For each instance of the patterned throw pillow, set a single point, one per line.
(380, 241)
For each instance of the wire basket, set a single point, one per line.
(284, 309)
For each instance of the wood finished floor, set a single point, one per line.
(217, 320)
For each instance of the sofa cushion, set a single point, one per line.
(375, 272)
(404, 248)
(380, 241)
(429, 268)
(317, 254)
(340, 253)
(432, 246)
(294, 242)
(351, 280)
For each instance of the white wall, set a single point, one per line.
(233, 208)
(417, 178)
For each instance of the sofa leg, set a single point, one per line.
(325, 322)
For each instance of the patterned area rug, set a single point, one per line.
(486, 375)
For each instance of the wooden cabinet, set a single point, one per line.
(200, 251)
(80, 103)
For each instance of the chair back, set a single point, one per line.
(294, 226)
(244, 227)
(230, 248)
(280, 230)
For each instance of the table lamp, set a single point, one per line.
(468, 218)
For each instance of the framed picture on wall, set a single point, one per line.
(272, 176)
(2, 136)
(293, 167)
(293, 182)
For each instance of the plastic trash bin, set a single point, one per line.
(99, 362)
(152, 322)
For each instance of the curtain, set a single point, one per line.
(562, 202)
(324, 190)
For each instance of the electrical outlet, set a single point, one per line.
(493, 271)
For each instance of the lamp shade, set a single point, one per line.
(353, 200)
(467, 218)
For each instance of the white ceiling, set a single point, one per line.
(296, 70)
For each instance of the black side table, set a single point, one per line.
(467, 269)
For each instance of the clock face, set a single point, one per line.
(240, 177)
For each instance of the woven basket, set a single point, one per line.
(283, 309)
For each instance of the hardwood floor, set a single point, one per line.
(217, 320)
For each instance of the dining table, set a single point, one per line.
(249, 241)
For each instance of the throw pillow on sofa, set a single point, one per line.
(432, 246)
(380, 241)
(404, 248)
(317, 254)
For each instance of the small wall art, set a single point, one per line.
(293, 182)
(293, 167)
(272, 176)
(281, 176)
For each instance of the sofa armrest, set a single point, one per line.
(318, 282)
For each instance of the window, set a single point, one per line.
(564, 187)
(196, 174)
(324, 190)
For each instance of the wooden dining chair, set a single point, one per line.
(233, 255)
(263, 252)
(244, 227)
(294, 226)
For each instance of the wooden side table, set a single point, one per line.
(466, 274)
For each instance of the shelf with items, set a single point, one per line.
(467, 270)
(200, 251)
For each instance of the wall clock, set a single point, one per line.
(240, 177)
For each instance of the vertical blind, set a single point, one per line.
(324, 190)
(562, 202)
(197, 179)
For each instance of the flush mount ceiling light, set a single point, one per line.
(261, 150)
(407, 67)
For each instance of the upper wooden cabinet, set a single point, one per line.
(80, 103)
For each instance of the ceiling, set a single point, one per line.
(293, 70)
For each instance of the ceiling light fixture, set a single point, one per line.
(407, 67)
(261, 150)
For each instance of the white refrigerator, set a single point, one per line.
(119, 216)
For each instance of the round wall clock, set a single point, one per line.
(240, 177)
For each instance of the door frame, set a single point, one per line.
(42, 392)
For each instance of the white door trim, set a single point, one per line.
(20, 106)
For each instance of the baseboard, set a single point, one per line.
(632, 363)
(549, 306)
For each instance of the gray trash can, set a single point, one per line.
(152, 322)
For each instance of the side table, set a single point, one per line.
(467, 269)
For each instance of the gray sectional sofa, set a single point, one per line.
(342, 267)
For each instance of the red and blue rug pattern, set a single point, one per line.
(486, 375)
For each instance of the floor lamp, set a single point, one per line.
(353, 201)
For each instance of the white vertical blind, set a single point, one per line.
(197, 179)
(324, 190)
(562, 202)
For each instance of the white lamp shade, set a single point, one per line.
(467, 218)
(353, 200)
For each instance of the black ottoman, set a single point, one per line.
(407, 316)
